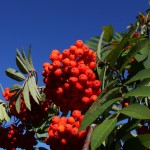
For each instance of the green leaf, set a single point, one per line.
(143, 74)
(12, 73)
(142, 142)
(101, 132)
(140, 90)
(26, 96)
(146, 62)
(23, 61)
(92, 115)
(100, 45)
(3, 113)
(15, 87)
(108, 33)
(134, 50)
(32, 90)
(30, 57)
(22, 67)
(18, 96)
(114, 54)
(137, 111)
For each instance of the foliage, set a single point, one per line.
(108, 88)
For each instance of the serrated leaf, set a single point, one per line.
(142, 142)
(114, 54)
(137, 111)
(90, 116)
(108, 32)
(32, 90)
(12, 73)
(143, 74)
(101, 132)
(133, 51)
(26, 96)
(15, 87)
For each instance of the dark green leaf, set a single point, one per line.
(143, 74)
(15, 87)
(114, 54)
(146, 62)
(134, 50)
(26, 96)
(12, 73)
(137, 111)
(101, 132)
(94, 113)
(142, 142)
(108, 33)
(126, 128)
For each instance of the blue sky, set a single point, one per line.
(56, 24)
(53, 24)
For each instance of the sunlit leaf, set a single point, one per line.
(26, 96)
(100, 45)
(32, 90)
(30, 57)
(18, 96)
(137, 111)
(90, 115)
(108, 33)
(101, 132)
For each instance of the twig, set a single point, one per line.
(87, 141)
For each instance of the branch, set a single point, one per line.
(88, 138)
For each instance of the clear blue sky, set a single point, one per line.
(49, 24)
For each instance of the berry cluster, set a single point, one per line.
(16, 137)
(143, 130)
(70, 80)
(34, 117)
(63, 132)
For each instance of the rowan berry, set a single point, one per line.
(79, 43)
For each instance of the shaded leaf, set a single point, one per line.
(26, 96)
(101, 132)
(126, 128)
(108, 33)
(134, 50)
(137, 111)
(15, 87)
(22, 67)
(142, 142)
(140, 75)
(12, 73)
(114, 54)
